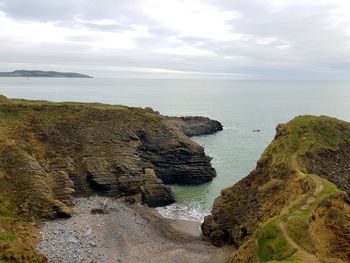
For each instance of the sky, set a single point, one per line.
(206, 39)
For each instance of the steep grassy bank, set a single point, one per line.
(50, 152)
(287, 210)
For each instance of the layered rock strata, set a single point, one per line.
(294, 207)
(195, 126)
(50, 152)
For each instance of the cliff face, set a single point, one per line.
(194, 126)
(112, 150)
(294, 207)
(50, 152)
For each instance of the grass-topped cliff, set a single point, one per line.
(50, 152)
(294, 207)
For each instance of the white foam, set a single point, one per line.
(183, 212)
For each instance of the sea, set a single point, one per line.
(242, 106)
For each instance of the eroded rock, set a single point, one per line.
(64, 150)
(261, 214)
(196, 126)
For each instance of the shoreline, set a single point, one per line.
(125, 233)
(68, 149)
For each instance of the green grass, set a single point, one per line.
(16, 242)
(8, 236)
(67, 103)
(307, 134)
(302, 136)
(26, 126)
(298, 219)
(271, 243)
(298, 229)
(9, 118)
(16, 111)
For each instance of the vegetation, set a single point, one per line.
(306, 134)
(17, 238)
(272, 243)
(21, 122)
(283, 236)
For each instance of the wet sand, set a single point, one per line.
(127, 233)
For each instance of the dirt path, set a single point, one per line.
(127, 234)
(307, 200)
(301, 253)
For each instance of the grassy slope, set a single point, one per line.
(18, 236)
(300, 136)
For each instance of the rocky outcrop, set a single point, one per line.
(192, 125)
(292, 207)
(156, 194)
(333, 165)
(196, 126)
(62, 150)
(51, 152)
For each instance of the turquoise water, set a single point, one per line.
(242, 106)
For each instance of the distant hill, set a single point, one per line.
(42, 74)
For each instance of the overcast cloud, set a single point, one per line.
(254, 39)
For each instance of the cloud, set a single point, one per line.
(81, 34)
(186, 51)
(193, 19)
(250, 39)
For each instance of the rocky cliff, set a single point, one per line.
(294, 207)
(50, 152)
(194, 126)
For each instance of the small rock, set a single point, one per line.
(99, 211)
(130, 200)
(88, 232)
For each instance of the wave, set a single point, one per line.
(190, 212)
